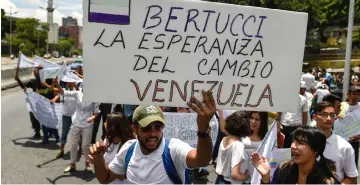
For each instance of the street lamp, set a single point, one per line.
(38, 41)
(10, 48)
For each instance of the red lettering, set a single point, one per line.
(237, 94)
(182, 95)
(141, 98)
(269, 96)
(193, 86)
(248, 98)
(219, 95)
(156, 89)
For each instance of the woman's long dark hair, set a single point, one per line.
(118, 126)
(317, 142)
(263, 123)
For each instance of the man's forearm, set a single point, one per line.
(203, 151)
(348, 180)
(102, 171)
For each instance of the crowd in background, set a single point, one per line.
(318, 154)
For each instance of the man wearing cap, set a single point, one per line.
(146, 166)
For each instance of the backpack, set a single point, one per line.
(168, 164)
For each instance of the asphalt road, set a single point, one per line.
(25, 160)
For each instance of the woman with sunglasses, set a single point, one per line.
(308, 144)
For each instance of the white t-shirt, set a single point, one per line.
(69, 105)
(250, 147)
(250, 144)
(149, 169)
(295, 119)
(229, 157)
(341, 152)
(309, 79)
(321, 93)
(109, 156)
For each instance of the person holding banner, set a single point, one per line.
(69, 107)
(337, 148)
(34, 85)
(151, 159)
(308, 144)
(85, 114)
(352, 104)
(232, 161)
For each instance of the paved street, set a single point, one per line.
(25, 160)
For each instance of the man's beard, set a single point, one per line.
(143, 145)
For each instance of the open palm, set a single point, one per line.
(261, 164)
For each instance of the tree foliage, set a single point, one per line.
(5, 24)
(25, 36)
(321, 13)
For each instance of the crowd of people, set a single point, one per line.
(133, 149)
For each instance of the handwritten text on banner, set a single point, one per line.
(163, 51)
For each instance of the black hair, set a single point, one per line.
(310, 70)
(322, 105)
(170, 109)
(316, 139)
(118, 126)
(263, 123)
(331, 98)
(238, 124)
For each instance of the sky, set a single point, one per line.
(31, 9)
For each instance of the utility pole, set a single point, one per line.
(348, 49)
(10, 18)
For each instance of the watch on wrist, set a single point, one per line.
(204, 134)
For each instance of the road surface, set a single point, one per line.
(25, 160)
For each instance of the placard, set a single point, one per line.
(164, 51)
(349, 125)
(183, 126)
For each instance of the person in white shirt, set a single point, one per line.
(309, 97)
(321, 92)
(83, 121)
(291, 121)
(309, 80)
(142, 160)
(69, 106)
(337, 149)
(348, 107)
(118, 132)
(232, 161)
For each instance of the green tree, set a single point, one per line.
(5, 24)
(65, 46)
(27, 36)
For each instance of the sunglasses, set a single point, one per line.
(158, 127)
(326, 115)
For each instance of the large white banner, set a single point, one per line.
(45, 63)
(183, 126)
(24, 61)
(50, 73)
(266, 147)
(163, 51)
(48, 114)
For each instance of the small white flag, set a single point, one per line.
(265, 149)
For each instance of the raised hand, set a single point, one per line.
(260, 164)
(97, 151)
(204, 110)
